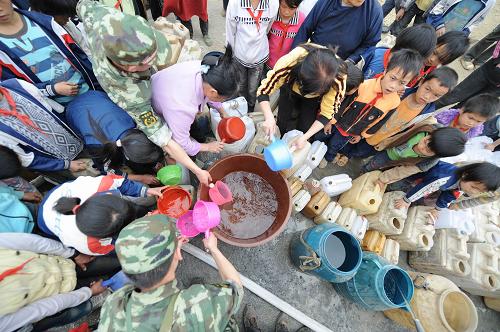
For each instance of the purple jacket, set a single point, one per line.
(446, 118)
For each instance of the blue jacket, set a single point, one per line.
(32, 151)
(373, 62)
(440, 177)
(15, 217)
(353, 29)
(13, 67)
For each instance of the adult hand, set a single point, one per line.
(77, 165)
(401, 204)
(97, 288)
(354, 139)
(156, 191)
(204, 177)
(211, 242)
(299, 143)
(269, 126)
(440, 31)
(215, 146)
(399, 14)
(66, 88)
(490, 147)
(34, 197)
(328, 128)
(82, 260)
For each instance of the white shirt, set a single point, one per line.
(249, 40)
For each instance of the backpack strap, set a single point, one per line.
(168, 320)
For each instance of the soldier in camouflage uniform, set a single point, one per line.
(149, 254)
(125, 52)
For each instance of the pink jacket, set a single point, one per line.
(281, 36)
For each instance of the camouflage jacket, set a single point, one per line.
(130, 91)
(197, 309)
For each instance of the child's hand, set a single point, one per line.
(66, 88)
(204, 177)
(328, 128)
(148, 179)
(401, 204)
(269, 127)
(440, 31)
(34, 197)
(97, 288)
(433, 215)
(82, 260)
(490, 147)
(77, 165)
(354, 139)
(214, 147)
(399, 14)
(299, 142)
(156, 191)
(380, 183)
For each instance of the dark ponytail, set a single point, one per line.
(222, 73)
(66, 205)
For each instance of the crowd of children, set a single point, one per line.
(84, 79)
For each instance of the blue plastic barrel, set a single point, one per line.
(378, 285)
(327, 251)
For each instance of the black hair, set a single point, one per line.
(54, 7)
(318, 71)
(222, 75)
(101, 215)
(140, 154)
(421, 38)
(485, 173)
(456, 44)
(292, 3)
(408, 61)
(446, 76)
(11, 165)
(354, 76)
(447, 142)
(485, 105)
(150, 278)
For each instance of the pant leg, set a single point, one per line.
(64, 317)
(473, 84)
(243, 82)
(419, 17)
(156, 7)
(398, 26)
(204, 27)
(388, 6)
(335, 143)
(188, 25)
(475, 51)
(253, 81)
(361, 150)
(308, 111)
(100, 267)
(287, 112)
(225, 3)
(379, 161)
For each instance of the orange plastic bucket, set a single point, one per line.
(231, 129)
(174, 202)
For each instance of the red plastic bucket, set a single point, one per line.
(174, 202)
(231, 129)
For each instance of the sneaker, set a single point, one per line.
(208, 41)
(467, 64)
(250, 319)
(323, 163)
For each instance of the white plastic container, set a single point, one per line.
(316, 154)
(388, 219)
(461, 220)
(234, 107)
(329, 214)
(417, 232)
(243, 144)
(391, 251)
(347, 217)
(359, 227)
(303, 172)
(365, 194)
(336, 184)
(300, 200)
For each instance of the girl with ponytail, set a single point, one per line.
(181, 91)
(111, 139)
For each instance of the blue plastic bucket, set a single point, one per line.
(327, 251)
(277, 155)
(378, 285)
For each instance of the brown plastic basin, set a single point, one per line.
(252, 164)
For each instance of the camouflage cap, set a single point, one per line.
(146, 243)
(128, 39)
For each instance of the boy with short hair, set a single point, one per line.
(470, 118)
(375, 99)
(284, 30)
(247, 25)
(416, 151)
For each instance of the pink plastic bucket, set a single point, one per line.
(220, 194)
(206, 215)
(186, 226)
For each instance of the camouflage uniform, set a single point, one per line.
(127, 40)
(143, 245)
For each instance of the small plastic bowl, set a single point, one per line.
(174, 202)
(186, 226)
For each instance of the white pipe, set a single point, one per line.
(261, 292)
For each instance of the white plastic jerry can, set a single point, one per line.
(260, 140)
(346, 217)
(242, 144)
(391, 251)
(300, 200)
(461, 220)
(316, 154)
(359, 227)
(303, 172)
(336, 184)
(329, 214)
(365, 195)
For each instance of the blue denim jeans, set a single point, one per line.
(378, 162)
(388, 6)
(334, 141)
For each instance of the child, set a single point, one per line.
(458, 15)
(247, 25)
(472, 115)
(58, 67)
(421, 38)
(420, 151)
(453, 181)
(111, 137)
(415, 102)
(376, 97)
(86, 213)
(492, 130)
(283, 30)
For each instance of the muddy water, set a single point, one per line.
(254, 206)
